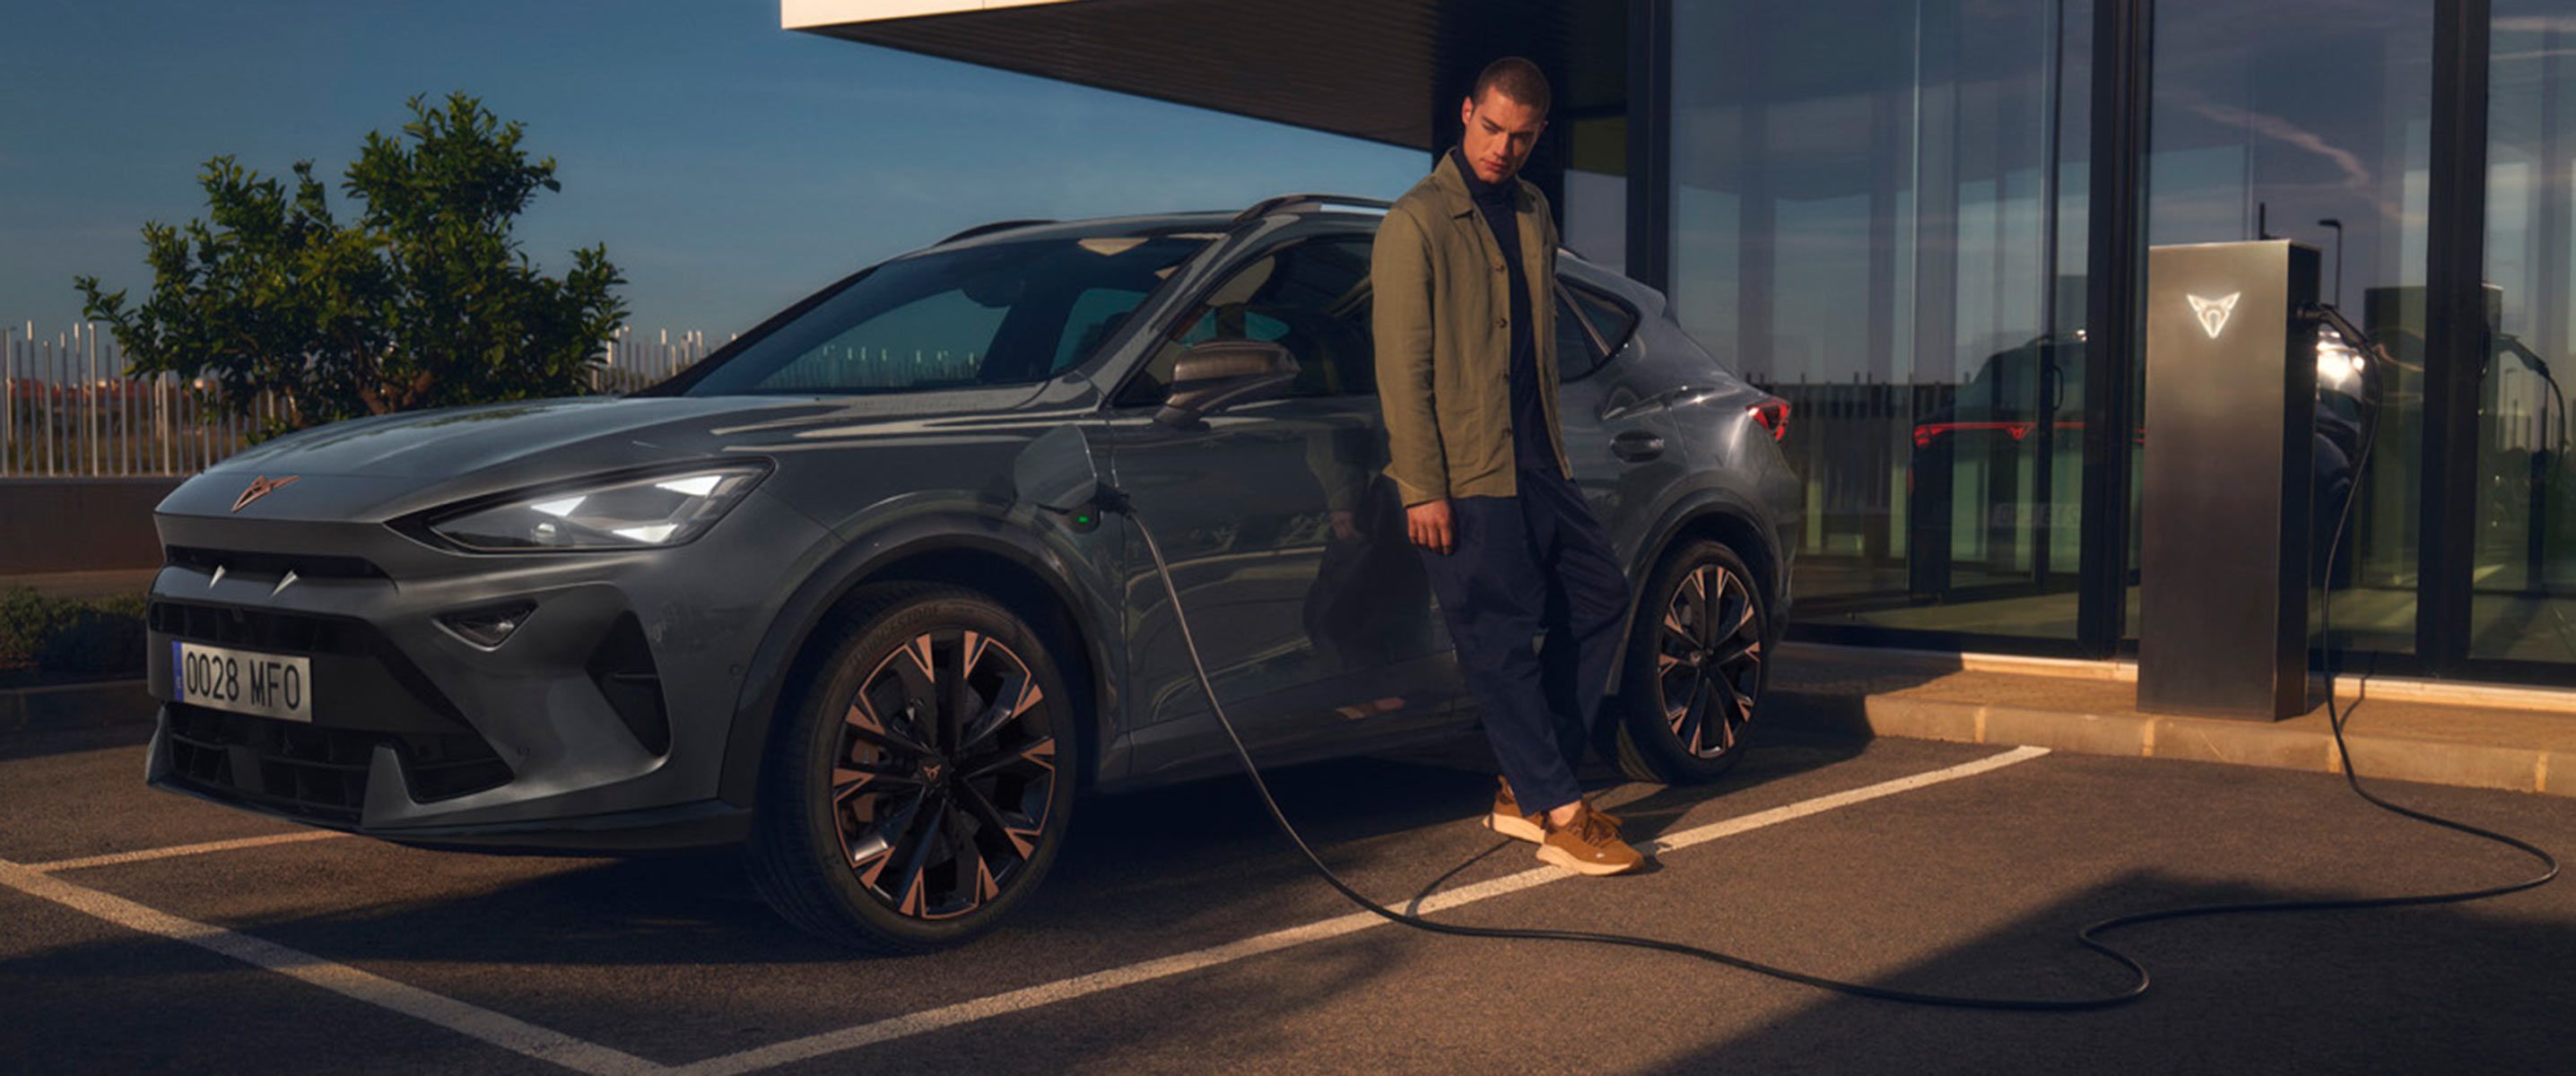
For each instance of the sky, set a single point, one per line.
(730, 166)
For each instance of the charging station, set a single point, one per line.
(2231, 384)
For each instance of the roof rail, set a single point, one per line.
(988, 229)
(1286, 202)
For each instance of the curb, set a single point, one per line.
(106, 704)
(2125, 671)
(2134, 735)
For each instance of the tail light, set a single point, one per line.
(1773, 414)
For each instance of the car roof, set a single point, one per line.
(1216, 223)
(1215, 226)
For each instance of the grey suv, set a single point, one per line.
(793, 599)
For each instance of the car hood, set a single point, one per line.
(388, 465)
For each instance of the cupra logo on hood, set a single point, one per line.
(2213, 312)
(260, 487)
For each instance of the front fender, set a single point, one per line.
(1063, 561)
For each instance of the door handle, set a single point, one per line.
(1637, 446)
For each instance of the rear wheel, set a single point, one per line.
(921, 786)
(1695, 667)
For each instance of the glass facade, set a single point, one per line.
(2523, 595)
(1877, 212)
(2268, 122)
(1878, 209)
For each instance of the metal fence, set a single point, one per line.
(68, 409)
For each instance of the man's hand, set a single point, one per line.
(1428, 524)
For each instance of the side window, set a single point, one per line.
(1312, 298)
(1576, 354)
(1611, 319)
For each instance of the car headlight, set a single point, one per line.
(663, 509)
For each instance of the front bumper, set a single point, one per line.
(599, 724)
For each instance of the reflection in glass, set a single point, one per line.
(1878, 215)
(2278, 122)
(2523, 605)
(1596, 191)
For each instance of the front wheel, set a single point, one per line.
(922, 783)
(1695, 667)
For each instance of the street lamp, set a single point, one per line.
(2337, 225)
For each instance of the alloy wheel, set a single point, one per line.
(943, 771)
(1708, 659)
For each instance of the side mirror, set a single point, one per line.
(1218, 374)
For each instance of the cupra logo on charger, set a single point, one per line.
(2213, 312)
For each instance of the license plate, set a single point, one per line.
(269, 685)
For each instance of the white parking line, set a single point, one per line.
(580, 1055)
(113, 858)
(899, 1027)
(508, 1033)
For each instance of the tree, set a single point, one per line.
(425, 301)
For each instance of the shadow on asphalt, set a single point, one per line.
(2442, 989)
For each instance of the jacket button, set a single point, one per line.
(1502, 323)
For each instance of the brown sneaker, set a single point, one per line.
(1588, 845)
(1508, 820)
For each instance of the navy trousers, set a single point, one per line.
(1536, 560)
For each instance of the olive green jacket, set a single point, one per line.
(1442, 311)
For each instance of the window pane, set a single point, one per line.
(1596, 191)
(934, 340)
(2524, 567)
(1097, 313)
(995, 314)
(1879, 216)
(2269, 120)
(1311, 298)
(1610, 318)
(1575, 353)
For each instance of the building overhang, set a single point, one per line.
(1363, 68)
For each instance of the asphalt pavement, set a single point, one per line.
(1177, 933)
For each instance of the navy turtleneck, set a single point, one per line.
(1498, 204)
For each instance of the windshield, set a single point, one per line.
(1000, 314)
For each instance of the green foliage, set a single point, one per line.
(26, 619)
(425, 300)
(75, 637)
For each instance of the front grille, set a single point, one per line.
(316, 772)
(273, 565)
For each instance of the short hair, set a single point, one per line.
(1519, 80)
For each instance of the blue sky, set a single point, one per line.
(730, 166)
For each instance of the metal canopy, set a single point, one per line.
(1363, 68)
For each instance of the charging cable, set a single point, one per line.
(1113, 500)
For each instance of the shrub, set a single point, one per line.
(27, 618)
(94, 641)
(75, 637)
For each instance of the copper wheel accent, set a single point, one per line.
(1708, 660)
(942, 773)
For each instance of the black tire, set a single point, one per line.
(1653, 737)
(893, 825)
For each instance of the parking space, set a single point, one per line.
(1177, 932)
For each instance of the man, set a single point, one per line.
(1463, 277)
